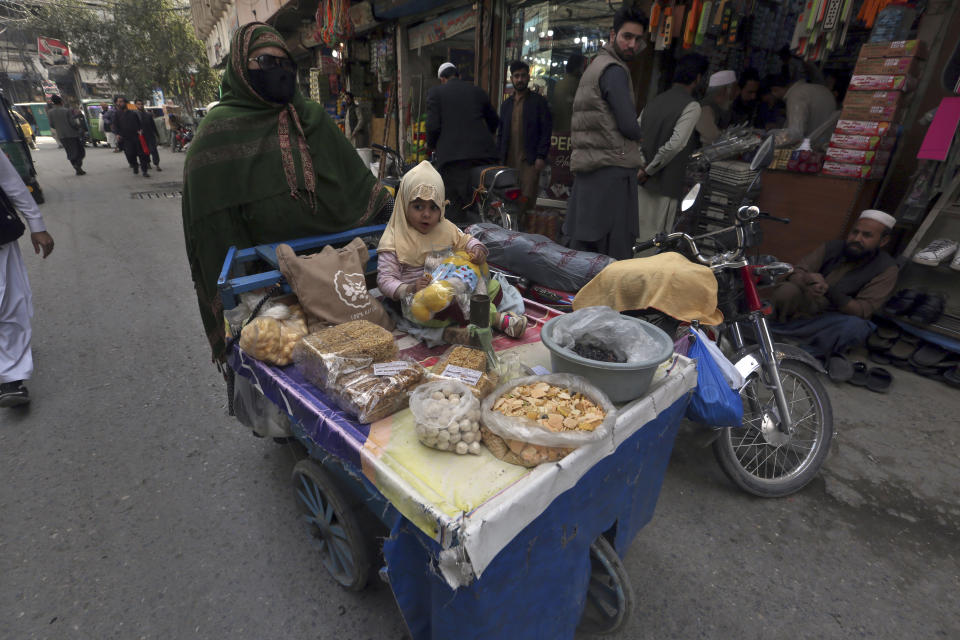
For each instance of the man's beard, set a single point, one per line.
(623, 54)
(856, 251)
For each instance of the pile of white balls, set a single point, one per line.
(448, 419)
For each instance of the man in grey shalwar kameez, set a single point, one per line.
(602, 209)
(667, 125)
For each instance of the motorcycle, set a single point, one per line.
(182, 136)
(497, 195)
(788, 418)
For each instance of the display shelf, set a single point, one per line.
(944, 333)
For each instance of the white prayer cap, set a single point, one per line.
(885, 219)
(444, 67)
(722, 78)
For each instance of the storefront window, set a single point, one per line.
(557, 39)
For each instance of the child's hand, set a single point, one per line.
(477, 255)
(423, 282)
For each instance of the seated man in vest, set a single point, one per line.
(826, 304)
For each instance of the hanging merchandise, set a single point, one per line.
(704, 23)
(382, 60)
(333, 21)
(690, 28)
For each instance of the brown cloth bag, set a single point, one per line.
(331, 285)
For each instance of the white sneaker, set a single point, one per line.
(955, 264)
(936, 252)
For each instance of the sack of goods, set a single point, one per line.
(272, 335)
(447, 416)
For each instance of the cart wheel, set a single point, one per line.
(332, 525)
(609, 595)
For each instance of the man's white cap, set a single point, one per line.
(722, 78)
(885, 219)
(444, 67)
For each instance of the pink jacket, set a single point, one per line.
(391, 273)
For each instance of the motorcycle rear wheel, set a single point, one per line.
(758, 457)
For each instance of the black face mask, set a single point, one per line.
(276, 85)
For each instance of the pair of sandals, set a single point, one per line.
(917, 306)
(888, 345)
(858, 373)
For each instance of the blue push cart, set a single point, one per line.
(477, 548)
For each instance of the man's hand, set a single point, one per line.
(816, 284)
(539, 164)
(42, 240)
(477, 255)
(642, 176)
(423, 282)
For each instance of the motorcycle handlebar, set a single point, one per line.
(766, 216)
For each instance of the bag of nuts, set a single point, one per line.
(447, 416)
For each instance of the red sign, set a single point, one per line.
(52, 52)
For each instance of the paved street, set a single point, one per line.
(131, 506)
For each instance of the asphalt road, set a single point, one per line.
(131, 506)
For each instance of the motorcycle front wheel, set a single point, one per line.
(761, 459)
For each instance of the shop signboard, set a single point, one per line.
(389, 9)
(558, 161)
(443, 27)
(52, 52)
(49, 89)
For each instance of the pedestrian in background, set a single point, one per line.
(715, 113)
(150, 133)
(460, 127)
(69, 129)
(53, 131)
(356, 122)
(667, 124)
(744, 108)
(561, 98)
(128, 126)
(107, 114)
(523, 138)
(16, 305)
(602, 209)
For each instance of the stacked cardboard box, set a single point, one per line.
(873, 108)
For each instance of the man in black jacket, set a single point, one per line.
(150, 132)
(460, 127)
(128, 125)
(524, 135)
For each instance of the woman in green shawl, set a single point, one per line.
(266, 166)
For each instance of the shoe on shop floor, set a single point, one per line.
(936, 252)
(929, 310)
(13, 394)
(902, 302)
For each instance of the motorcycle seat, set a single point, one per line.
(491, 176)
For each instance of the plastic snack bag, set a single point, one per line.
(378, 390)
(324, 356)
(539, 419)
(453, 278)
(272, 335)
(468, 366)
(447, 416)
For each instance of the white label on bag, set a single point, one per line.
(470, 376)
(390, 368)
(540, 371)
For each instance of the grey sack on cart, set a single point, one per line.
(539, 258)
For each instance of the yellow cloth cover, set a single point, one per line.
(667, 282)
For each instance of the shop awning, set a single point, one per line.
(442, 27)
(384, 9)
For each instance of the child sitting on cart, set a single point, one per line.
(418, 228)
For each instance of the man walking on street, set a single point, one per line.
(524, 135)
(150, 133)
(107, 114)
(667, 125)
(460, 127)
(16, 305)
(69, 133)
(128, 126)
(602, 209)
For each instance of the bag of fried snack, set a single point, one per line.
(323, 357)
(377, 390)
(273, 334)
(543, 418)
(468, 366)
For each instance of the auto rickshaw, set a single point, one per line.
(25, 129)
(15, 146)
(39, 112)
(91, 111)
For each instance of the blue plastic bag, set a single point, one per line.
(713, 403)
